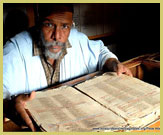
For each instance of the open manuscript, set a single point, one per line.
(107, 102)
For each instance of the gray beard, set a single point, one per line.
(49, 54)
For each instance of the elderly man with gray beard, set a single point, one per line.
(48, 54)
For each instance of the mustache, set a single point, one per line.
(54, 43)
(49, 44)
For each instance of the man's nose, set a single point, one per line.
(56, 35)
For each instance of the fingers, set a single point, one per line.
(121, 69)
(25, 97)
(32, 95)
(22, 112)
(129, 73)
(28, 97)
(19, 105)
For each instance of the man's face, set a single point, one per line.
(55, 31)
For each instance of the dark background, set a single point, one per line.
(137, 32)
(143, 30)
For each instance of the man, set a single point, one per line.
(52, 53)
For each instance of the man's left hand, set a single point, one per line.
(113, 64)
(121, 69)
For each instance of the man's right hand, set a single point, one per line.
(15, 110)
(20, 102)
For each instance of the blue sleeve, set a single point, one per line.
(105, 54)
(101, 52)
(94, 52)
(12, 70)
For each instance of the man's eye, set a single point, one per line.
(65, 26)
(48, 25)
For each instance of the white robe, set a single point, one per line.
(23, 72)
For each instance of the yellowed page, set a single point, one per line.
(134, 100)
(66, 109)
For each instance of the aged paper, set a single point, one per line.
(66, 109)
(134, 100)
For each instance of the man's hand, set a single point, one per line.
(20, 102)
(15, 110)
(113, 64)
(121, 69)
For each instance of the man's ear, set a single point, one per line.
(73, 24)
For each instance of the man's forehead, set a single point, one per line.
(60, 16)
